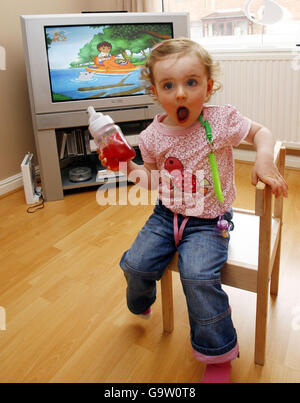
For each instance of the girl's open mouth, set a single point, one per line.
(182, 114)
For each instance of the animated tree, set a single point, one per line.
(132, 38)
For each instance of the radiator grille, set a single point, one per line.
(266, 90)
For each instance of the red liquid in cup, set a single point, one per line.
(117, 151)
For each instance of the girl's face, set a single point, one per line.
(181, 87)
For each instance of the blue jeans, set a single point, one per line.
(201, 254)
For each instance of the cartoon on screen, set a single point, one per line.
(95, 61)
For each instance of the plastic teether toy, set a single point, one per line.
(224, 226)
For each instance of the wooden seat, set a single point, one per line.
(253, 258)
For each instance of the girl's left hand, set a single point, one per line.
(267, 172)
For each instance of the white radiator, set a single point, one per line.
(265, 86)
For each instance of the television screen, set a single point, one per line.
(100, 61)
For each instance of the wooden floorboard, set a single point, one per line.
(64, 297)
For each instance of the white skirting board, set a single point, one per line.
(9, 184)
(13, 182)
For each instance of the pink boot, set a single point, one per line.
(146, 314)
(217, 373)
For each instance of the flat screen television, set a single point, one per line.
(75, 60)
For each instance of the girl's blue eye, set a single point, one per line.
(191, 82)
(168, 86)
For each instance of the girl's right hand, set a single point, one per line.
(103, 161)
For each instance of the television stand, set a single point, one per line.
(61, 149)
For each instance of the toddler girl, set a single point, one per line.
(190, 145)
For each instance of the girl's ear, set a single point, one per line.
(153, 89)
(210, 84)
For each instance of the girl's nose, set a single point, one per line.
(180, 93)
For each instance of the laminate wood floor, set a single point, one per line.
(64, 297)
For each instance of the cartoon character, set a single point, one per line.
(58, 36)
(85, 76)
(104, 49)
(184, 179)
(109, 64)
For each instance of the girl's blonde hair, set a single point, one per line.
(180, 47)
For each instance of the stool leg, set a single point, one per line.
(167, 301)
(261, 325)
(275, 272)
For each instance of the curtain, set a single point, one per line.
(142, 5)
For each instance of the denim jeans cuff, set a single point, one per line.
(217, 359)
(215, 352)
(139, 310)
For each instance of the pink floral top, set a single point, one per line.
(181, 156)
